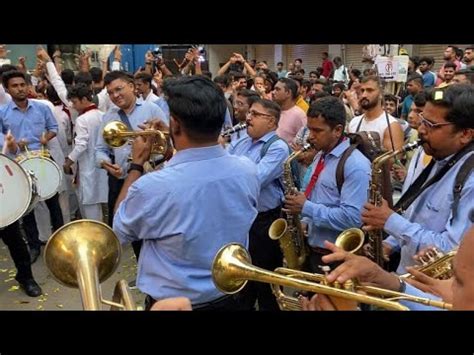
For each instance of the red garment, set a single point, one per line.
(327, 68)
(314, 177)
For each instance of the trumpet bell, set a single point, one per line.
(112, 134)
(229, 258)
(351, 240)
(78, 240)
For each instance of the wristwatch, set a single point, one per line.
(403, 285)
(137, 167)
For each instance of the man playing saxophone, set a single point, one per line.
(269, 152)
(434, 209)
(325, 210)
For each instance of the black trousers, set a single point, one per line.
(115, 185)
(18, 249)
(29, 222)
(265, 253)
(225, 303)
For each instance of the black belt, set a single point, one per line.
(211, 303)
(270, 212)
(150, 301)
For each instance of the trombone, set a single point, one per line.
(83, 254)
(232, 269)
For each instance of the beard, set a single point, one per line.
(367, 104)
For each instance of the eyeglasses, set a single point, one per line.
(115, 91)
(430, 125)
(253, 113)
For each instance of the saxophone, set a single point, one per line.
(375, 237)
(288, 231)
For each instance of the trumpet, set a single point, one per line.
(232, 268)
(116, 134)
(435, 264)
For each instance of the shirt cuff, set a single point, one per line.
(393, 243)
(308, 209)
(396, 225)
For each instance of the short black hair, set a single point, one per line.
(6, 67)
(96, 74)
(10, 75)
(459, 100)
(68, 76)
(118, 74)
(224, 80)
(198, 104)
(428, 60)
(250, 95)
(290, 85)
(380, 83)
(53, 95)
(331, 109)
(144, 77)
(80, 91)
(83, 78)
(468, 72)
(420, 99)
(416, 78)
(271, 106)
(280, 63)
(450, 65)
(390, 97)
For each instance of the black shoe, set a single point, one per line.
(31, 288)
(34, 254)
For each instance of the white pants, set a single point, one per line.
(92, 211)
(43, 218)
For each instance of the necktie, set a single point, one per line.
(314, 177)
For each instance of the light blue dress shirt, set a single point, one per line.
(327, 212)
(142, 112)
(201, 200)
(161, 102)
(270, 167)
(427, 221)
(28, 125)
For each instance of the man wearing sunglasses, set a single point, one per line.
(434, 210)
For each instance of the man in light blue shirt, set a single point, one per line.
(325, 210)
(433, 218)
(121, 89)
(32, 125)
(201, 200)
(262, 120)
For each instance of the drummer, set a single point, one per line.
(31, 125)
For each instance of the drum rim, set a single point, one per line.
(30, 191)
(47, 197)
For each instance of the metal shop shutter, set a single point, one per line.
(266, 52)
(353, 56)
(436, 51)
(433, 50)
(309, 53)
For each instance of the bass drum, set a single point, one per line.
(46, 171)
(18, 191)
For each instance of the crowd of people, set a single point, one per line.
(229, 188)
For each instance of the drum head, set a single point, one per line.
(15, 191)
(47, 174)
